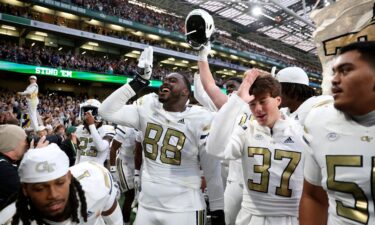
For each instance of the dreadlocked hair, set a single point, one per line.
(26, 212)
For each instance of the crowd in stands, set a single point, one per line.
(52, 57)
(53, 109)
(150, 17)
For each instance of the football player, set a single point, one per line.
(122, 164)
(93, 136)
(339, 171)
(53, 193)
(174, 136)
(297, 97)
(231, 169)
(271, 147)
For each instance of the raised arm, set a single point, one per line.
(208, 82)
(114, 107)
(200, 94)
(221, 142)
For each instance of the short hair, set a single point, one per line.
(266, 84)
(236, 79)
(186, 81)
(366, 48)
(299, 92)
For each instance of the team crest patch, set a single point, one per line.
(332, 136)
(366, 138)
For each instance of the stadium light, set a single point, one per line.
(93, 43)
(8, 27)
(41, 34)
(257, 11)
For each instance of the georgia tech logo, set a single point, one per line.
(45, 167)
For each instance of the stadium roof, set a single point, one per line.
(283, 25)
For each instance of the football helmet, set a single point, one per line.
(90, 105)
(199, 26)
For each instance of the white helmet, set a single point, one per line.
(90, 105)
(199, 27)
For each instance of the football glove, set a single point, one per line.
(204, 52)
(145, 63)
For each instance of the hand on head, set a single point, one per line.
(243, 91)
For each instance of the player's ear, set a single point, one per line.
(185, 92)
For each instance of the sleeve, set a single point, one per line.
(138, 136)
(201, 96)
(100, 144)
(224, 140)
(112, 189)
(29, 90)
(312, 170)
(114, 108)
(212, 172)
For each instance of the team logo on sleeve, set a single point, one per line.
(332, 136)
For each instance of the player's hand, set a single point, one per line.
(145, 63)
(116, 184)
(217, 217)
(204, 52)
(89, 118)
(249, 78)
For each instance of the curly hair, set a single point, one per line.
(26, 212)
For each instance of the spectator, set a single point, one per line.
(70, 145)
(13, 144)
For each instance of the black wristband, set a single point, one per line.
(138, 83)
(217, 217)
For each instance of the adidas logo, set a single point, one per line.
(288, 140)
(182, 121)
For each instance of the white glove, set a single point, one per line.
(137, 181)
(116, 184)
(145, 63)
(204, 52)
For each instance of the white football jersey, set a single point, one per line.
(342, 161)
(126, 136)
(310, 103)
(272, 161)
(100, 192)
(87, 150)
(173, 151)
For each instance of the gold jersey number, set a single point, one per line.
(152, 136)
(283, 189)
(360, 211)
